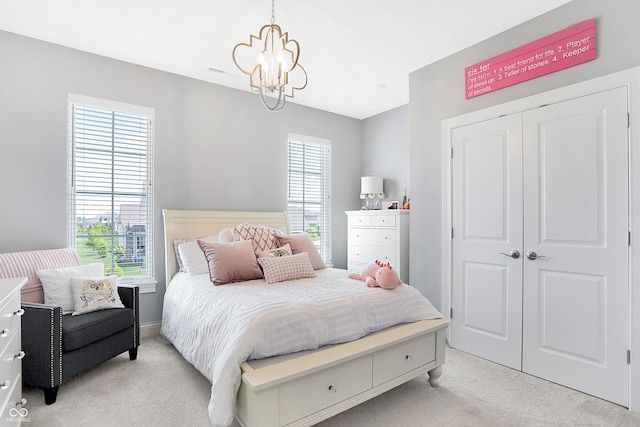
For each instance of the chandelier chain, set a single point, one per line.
(273, 11)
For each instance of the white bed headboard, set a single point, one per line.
(191, 223)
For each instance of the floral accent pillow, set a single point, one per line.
(279, 269)
(95, 293)
(56, 283)
(277, 252)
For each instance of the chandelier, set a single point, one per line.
(271, 61)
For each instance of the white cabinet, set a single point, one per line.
(379, 235)
(11, 353)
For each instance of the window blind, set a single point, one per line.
(309, 190)
(110, 186)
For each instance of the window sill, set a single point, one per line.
(146, 287)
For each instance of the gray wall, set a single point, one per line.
(215, 147)
(386, 150)
(437, 93)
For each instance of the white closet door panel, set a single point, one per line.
(576, 319)
(487, 222)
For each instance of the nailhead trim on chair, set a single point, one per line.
(59, 350)
(134, 321)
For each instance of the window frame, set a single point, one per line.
(324, 222)
(146, 281)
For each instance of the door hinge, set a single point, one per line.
(628, 120)
(451, 313)
(452, 152)
(452, 232)
(629, 238)
(628, 357)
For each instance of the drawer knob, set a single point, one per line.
(19, 312)
(20, 355)
(5, 333)
(408, 358)
(332, 389)
(5, 384)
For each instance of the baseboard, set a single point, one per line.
(150, 330)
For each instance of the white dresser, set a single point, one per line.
(11, 354)
(379, 235)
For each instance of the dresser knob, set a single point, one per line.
(408, 358)
(5, 384)
(332, 389)
(19, 312)
(20, 355)
(5, 333)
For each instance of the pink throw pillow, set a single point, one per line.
(230, 262)
(303, 243)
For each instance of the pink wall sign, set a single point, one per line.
(572, 46)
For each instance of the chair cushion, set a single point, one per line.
(82, 330)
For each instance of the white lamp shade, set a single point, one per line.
(371, 185)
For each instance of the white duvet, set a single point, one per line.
(216, 328)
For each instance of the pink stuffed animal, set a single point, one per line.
(378, 274)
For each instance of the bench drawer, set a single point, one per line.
(305, 396)
(398, 360)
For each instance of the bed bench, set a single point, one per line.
(308, 388)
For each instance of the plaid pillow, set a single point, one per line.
(279, 269)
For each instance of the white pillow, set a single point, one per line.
(95, 293)
(56, 283)
(225, 235)
(193, 258)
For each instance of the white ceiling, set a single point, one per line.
(357, 53)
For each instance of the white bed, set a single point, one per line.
(298, 387)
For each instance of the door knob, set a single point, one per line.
(513, 254)
(534, 256)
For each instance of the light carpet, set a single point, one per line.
(161, 389)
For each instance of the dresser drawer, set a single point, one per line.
(307, 395)
(372, 236)
(368, 254)
(9, 321)
(379, 220)
(10, 367)
(403, 358)
(14, 401)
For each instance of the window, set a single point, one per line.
(110, 185)
(309, 190)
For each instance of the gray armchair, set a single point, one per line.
(58, 347)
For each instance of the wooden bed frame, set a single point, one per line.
(308, 387)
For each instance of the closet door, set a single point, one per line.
(576, 293)
(487, 240)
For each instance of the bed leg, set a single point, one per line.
(434, 376)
